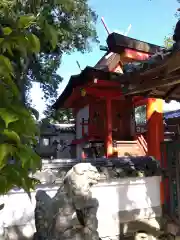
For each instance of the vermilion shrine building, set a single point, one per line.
(131, 75)
(104, 114)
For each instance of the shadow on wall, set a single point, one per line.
(140, 208)
(138, 228)
(19, 232)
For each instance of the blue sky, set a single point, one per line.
(151, 21)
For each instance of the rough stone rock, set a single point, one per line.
(71, 213)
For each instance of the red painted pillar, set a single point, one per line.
(155, 133)
(108, 128)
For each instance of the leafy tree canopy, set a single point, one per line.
(70, 23)
(33, 37)
(58, 116)
(168, 41)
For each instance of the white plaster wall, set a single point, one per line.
(82, 113)
(50, 149)
(67, 138)
(123, 194)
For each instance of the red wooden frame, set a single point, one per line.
(136, 55)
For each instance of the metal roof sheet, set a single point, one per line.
(172, 114)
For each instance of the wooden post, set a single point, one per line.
(155, 131)
(108, 128)
(82, 124)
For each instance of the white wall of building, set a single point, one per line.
(65, 140)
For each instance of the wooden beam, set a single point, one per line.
(136, 55)
(170, 92)
(108, 138)
(140, 102)
(148, 74)
(104, 83)
(165, 67)
(173, 62)
(103, 93)
(171, 81)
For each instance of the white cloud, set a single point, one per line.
(173, 105)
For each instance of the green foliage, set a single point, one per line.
(168, 42)
(58, 116)
(33, 37)
(18, 134)
(18, 128)
(63, 116)
(59, 26)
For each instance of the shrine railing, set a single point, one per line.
(142, 143)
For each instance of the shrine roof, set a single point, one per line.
(109, 61)
(88, 74)
(117, 42)
(158, 76)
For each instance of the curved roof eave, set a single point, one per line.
(74, 81)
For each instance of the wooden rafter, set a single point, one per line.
(170, 92)
(150, 85)
(162, 79)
